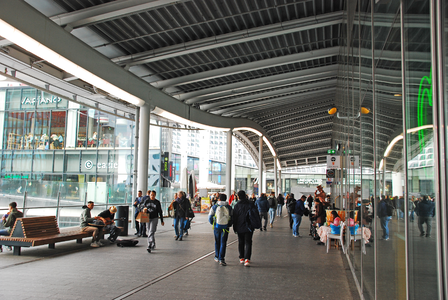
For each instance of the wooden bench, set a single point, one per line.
(37, 231)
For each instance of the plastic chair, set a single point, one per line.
(336, 237)
(358, 237)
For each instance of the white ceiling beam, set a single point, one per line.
(109, 11)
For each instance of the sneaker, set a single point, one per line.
(264, 228)
(241, 260)
(180, 239)
(261, 229)
(272, 226)
(422, 234)
(247, 263)
(176, 237)
(100, 244)
(428, 236)
(223, 263)
(94, 245)
(216, 259)
(149, 250)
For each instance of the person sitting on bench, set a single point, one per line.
(10, 220)
(85, 219)
(107, 217)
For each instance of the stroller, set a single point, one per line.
(313, 228)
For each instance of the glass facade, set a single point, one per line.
(394, 65)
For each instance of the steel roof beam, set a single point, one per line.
(271, 93)
(238, 37)
(255, 84)
(287, 99)
(247, 67)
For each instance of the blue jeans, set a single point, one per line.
(385, 226)
(264, 215)
(272, 215)
(412, 215)
(221, 236)
(279, 210)
(4, 232)
(297, 220)
(179, 225)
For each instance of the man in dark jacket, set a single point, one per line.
(154, 209)
(272, 208)
(243, 228)
(280, 203)
(384, 213)
(9, 220)
(425, 211)
(181, 208)
(297, 215)
(137, 202)
(263, 206)
(288, 205)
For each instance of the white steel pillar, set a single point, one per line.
(260, 165)
(229, 163)
(143, 148)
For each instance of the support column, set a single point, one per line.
(184, 161)
(135, 171)
(397, 187)
(260, 165)
(275, 176)
(280, 181)
(204, 159)
(143, 148)
(229, 163)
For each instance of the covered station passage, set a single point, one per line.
(357, 87)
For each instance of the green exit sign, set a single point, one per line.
(331, 151)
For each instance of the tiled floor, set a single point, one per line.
(283, 267)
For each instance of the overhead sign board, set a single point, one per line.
(353, 161)
(333, 162)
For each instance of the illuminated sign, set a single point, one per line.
(424, 100)
(40, 100)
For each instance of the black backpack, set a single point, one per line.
(292, 206)
(389, 208)
(272, 203)
(253, 217)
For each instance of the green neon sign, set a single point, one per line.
(424, 100)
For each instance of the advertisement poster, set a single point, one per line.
(205, 205)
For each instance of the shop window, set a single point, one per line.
(42, 130)
(123, 138)
(82, 129)
(106, 130)
(14, 130)
(31, 140)
(57, 133)
(92, 128)
(13, 99)
(29, 99)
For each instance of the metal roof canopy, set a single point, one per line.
(275, 66)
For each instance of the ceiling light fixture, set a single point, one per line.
(19, 38)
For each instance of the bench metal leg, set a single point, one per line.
(17, 250)
(79, 241)
(51, 246)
